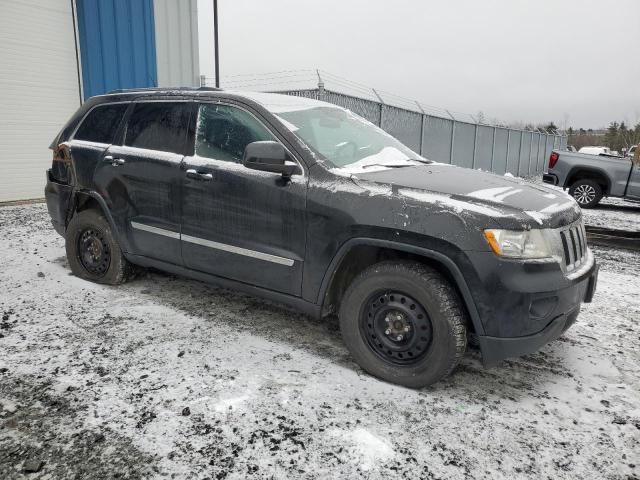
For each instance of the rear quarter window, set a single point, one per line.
(101, 124)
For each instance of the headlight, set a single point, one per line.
(524, 244)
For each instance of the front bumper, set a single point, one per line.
(495, 349)
(527, 309)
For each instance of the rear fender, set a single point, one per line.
(588, 172)
(102, 204)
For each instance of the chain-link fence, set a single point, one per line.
(449, 140)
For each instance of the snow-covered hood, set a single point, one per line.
(499, 197)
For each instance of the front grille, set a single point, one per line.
(574, 246)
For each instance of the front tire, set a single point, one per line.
(586, 192)
(92, 250)
(404, 323)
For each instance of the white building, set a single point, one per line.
(55, 53)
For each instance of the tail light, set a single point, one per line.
(553, 159)
(61, 163)
(61, 154)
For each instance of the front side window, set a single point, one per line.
(101, 124)
(224, 131)
(158, 126)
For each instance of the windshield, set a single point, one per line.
(347, 141)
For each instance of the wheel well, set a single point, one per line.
(87, 202)
(597, 177)
(360, 257)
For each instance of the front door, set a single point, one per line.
(140, 179)
(237, 223)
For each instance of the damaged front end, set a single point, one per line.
(59, 188)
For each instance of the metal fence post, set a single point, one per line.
(538, 156)
(422, 122)
(475, 146)
(453, 141)
(203, 81)
(453, 136)
(493, 147)
(520, 152)
(506, 163)
(381, 107)
(530, 152)
(320, 92)
(542, 154)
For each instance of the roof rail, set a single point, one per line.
(163, 89)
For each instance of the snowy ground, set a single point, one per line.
(614, 213)
(167, 377)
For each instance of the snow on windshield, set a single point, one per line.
(386, 158)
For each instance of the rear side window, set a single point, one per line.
(101, 123)
(158, 126)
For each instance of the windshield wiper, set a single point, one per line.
(387, 165)
(425, 161)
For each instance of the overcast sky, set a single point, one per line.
(576, 62)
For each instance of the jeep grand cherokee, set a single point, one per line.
(308, 204)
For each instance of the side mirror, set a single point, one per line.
(270, 156)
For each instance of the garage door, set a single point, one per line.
(38, 90)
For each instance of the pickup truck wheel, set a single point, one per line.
(586, 192)
(404, 323)
(93, 252)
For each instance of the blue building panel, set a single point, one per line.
(117, 45)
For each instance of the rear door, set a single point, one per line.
(140, 178)
(238, 223)
(95, 133)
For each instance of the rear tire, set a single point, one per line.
(404, 323)
(587, 193)
(92, 250)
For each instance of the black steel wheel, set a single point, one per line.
(94, 252)
(403, 322)
(397, 327)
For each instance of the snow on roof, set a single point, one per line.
(277, 102)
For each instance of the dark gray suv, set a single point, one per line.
(306, 203)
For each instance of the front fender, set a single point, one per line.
(442, 259)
